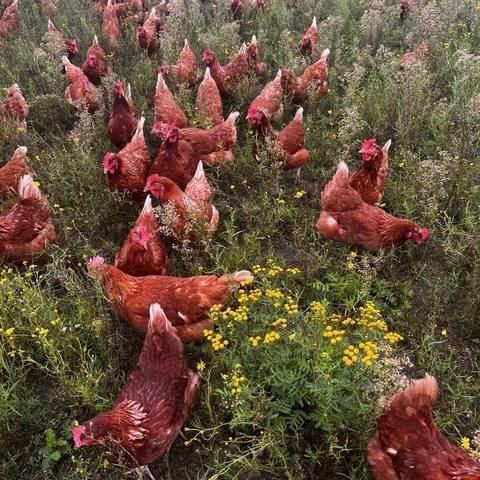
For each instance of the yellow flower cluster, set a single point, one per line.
(293, 271)
(8, 332)
(369, 350)
(334, 335)
(271, 337)
(275, 293)
(393, 337)
(235, 384)
(252, 296)
(215, 310)
(258, 269)
(280, 322)
(254, 340)
(370, 317)
(274, 270)
(42, 332)
(239, 315)
(291, 307)
(348, 321)
(216, 340)
(350, 355)
(318, 310)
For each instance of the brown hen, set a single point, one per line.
(111, 26)
(153, 405)
(187, 215)
(212, 146)
(166, 107)
(186, 301)
(175, 159)
(10, 22)
(80, 88)
(208, 102)
(146, 35)
(184, 71)
(143, 253)
(70, 44)
(267, 103)
(95, 66)
(409, 445)
(369, 179)
(291, 141)
(12, 171)
(14, 107)
(345, 217)
(310, 38)
(127, 170)
(230, 77)
(314, 78)
(27, 229)
(122, 122)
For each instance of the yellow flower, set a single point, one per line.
(444, 332)
(200, 366)
(465, 443)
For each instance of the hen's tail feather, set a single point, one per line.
(299, 114)
(159, 320)
(233, 116)
(161, 85)
(325, 55)
(139, 131)
(241, 276)
(147, 206)
(386, 147)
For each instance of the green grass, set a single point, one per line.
(291, 407)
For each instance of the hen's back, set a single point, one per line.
(409, 445)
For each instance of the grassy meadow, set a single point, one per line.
(301, 361)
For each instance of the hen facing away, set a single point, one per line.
(143, 253)
(409, 445)
(10, 21)
(27, 229)
(153, 405)
(184, 71)
(345, 217)
(186, 215)
(14, 107)
(127, 170)
(12, 171)
(111, 26)
(122, 122)
(208, 102)
(167, 108)
(310, 38)
(369, 179)
(185, 301)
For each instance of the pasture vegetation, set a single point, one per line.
(301, 360)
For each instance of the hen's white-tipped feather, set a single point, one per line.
(147, 206)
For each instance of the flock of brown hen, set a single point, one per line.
(157, 398)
